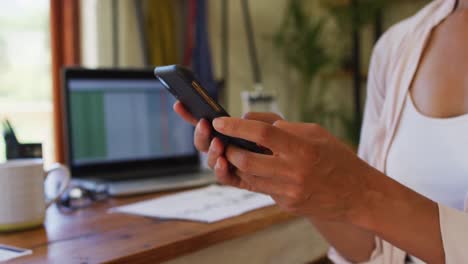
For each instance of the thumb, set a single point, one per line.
(265, 117)
(303, 130)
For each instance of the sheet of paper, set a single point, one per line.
(9, 252)
(208, 204)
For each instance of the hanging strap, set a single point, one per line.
(190, 32)
(257, 74)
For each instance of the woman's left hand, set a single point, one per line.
(310, 172)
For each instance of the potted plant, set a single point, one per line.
(302, 46)
(299, 40)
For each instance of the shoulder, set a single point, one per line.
(403, 35)
(405, 30)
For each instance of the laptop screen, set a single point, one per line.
(124, 120)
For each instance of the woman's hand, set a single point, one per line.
(310, 172)
(202, 136)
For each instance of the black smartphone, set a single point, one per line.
(181, 83)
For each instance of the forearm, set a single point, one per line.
(353, 243)
(402, 217)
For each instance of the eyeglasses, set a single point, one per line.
(78, 197)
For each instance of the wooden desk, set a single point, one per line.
(93, 236)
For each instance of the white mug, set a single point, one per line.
(22, 197)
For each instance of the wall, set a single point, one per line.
(97, 37)
(267, 16)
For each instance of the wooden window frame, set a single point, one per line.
(65, 46)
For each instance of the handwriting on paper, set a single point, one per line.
(209, 204)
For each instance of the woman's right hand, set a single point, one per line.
(202, 137)
(332, 231)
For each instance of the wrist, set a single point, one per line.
(383, 201)
(369, 199)
(400, 216)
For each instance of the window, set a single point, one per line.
(25, 72)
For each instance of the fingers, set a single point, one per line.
(186, 115)
(247, 182)
(202, 136)
(269, 118)
(266, 166)
(262, 185)
(259, 132)
(216, 150)
(224, 174)
(228, 176)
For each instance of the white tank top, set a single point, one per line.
(430, 156)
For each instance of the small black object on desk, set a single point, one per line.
(17, 150)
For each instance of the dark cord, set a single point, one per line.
(141, 29)
(225, 41)
(251, 42)
(115, 32)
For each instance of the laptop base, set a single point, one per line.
(149, 185)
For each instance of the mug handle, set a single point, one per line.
(65, 173)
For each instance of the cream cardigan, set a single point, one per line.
(393, 66)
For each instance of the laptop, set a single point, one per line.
(120, 132)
